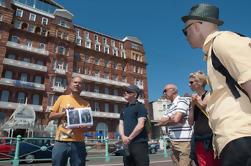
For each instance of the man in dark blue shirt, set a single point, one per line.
(132, 130)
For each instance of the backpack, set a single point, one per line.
(230, 81)
(148, 126)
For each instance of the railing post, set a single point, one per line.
(107, 157)
(16, 158)
(165, 151)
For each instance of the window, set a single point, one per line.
(96, 89)
(96, 61)
(88, 88)
(24, 77)
(8, 74)
(77, 32)
(2, 3)
(137, 69)
(104, 40)
(17, 24)
(19, 13)
(35, 99)
(116, 108)
(134, 46)
(61, 50)
(39, 62)
(120, 46)
(60, 65)
(115, 52)
(106, 63)
(96, 37)
(28, 43)
(115, 77)
(12, 56)
(106, 50)
(76, 57)
(1, 17)
(106, 75)
(31, 28)
(44, 32)
(102, 129)
(86, 35)
(38, 79)
(42, 46)
(106, 107)
(20, 98)
(115, 92)
(123, 54)
(59, 34)
(65, 83)
(15, 39)
(96, 106)
(58, 82)
(5, 95)
(65, 37)
(87, 58)
(124, 79)
(44, 21)
(107, 91)
(26, 59)
(67, 51)
(78, 41)
(88, 44)
(63, 24)
(115, 65)
(123, 67)
(32, 17)
(52, 81)
(97, 47)
(113, 43)
(96, 73)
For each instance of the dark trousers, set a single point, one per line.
(138, 155)
(237, 153)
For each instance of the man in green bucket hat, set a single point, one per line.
(228, 58)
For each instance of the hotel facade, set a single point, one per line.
(41, 50)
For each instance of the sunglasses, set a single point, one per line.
(129, 92)
(165, 90)
(191, 82)
(185, 29)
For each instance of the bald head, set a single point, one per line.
(170, 91)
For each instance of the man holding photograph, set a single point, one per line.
(69, 142)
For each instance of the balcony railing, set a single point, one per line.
(23, 84)
(59, 89)
(26, 48)
(101, 80)
(60, 71)
(12, 105)
(102, 96)
(25, 65)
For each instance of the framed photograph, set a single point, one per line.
(79, 116)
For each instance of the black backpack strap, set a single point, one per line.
(230, 81)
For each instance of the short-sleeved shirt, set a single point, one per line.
(180, 131)
(130, 120)
(63, 133)
(229, 118)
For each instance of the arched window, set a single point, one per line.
(102, 129)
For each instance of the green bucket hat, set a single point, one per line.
(204, 12)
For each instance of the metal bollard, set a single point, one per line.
(107, 157)
(16, 158)
(165, 151)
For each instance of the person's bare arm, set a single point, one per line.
(173, 120)
(247, 87)
(138, 128)
(191, 115)
(57, 115)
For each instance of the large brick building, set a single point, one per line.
(41, 49)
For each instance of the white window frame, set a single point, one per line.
(32, 18)
(88, 44)
(19, 11)
(44, 21)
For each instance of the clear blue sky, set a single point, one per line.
(158, 24)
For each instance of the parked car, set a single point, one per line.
(117, 149)
(5, 147)
(31, 149)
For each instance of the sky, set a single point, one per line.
(158, 24)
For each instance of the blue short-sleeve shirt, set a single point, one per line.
(130, 119)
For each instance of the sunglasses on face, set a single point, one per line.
(165, 90)
(185, 29)
(129, 92)
(191, 82)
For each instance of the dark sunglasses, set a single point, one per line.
(185, 29)
(129, 92)
(165, 90)
(191, 82)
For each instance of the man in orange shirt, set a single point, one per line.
(69, 142)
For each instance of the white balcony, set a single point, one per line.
(100, 80)
(26, 48)
(60, 71)
(102, 96)
(25, 65)
(11, 105)
(23, 84)
(58, 89)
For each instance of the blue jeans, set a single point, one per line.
(63, 150)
